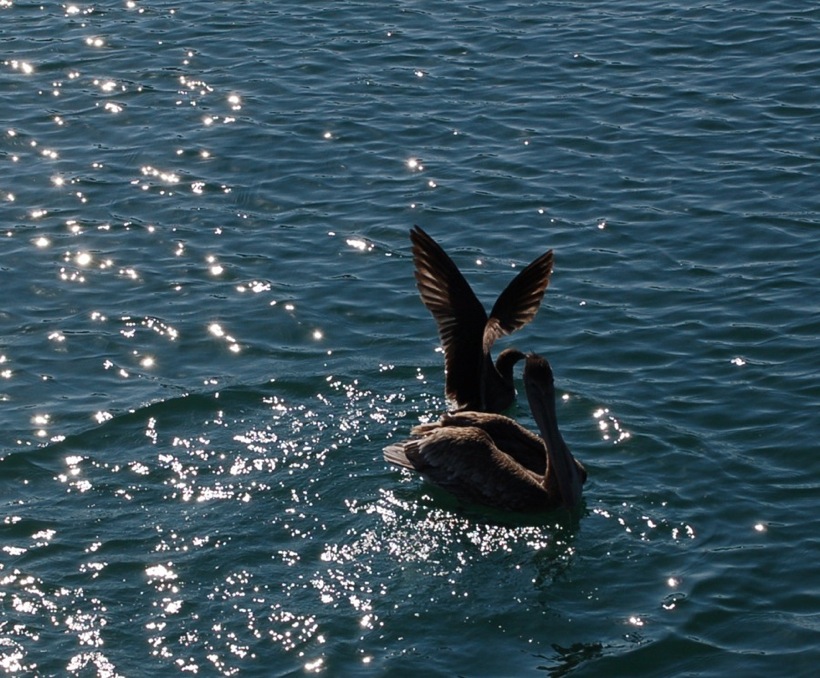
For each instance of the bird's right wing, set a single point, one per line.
(520, 300)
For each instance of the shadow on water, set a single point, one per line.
(563, 519)
(567, 659)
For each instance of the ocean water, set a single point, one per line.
(210, 330)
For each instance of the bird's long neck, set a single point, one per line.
(560, 462)
(497, 386)
(505, 363)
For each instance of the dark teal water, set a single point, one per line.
(210, 330)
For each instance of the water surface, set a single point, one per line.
(211, 330)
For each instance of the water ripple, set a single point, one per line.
(212, 328)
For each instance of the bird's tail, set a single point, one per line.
(395, 454)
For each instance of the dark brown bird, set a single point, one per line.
(492, 460)
(472, 380)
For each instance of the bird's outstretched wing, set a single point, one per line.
(460, 317)
(519, 302)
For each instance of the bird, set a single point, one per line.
(491, 460)
(472, 381)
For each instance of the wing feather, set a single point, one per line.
(458, 313)
(519, 302)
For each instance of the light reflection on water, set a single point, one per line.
(211, 330)
(288, 584)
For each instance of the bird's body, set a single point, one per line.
(473, 381)
(492, 460)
